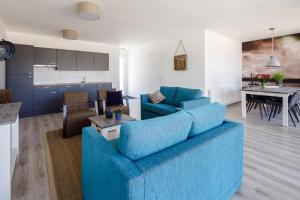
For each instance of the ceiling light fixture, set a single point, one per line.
(88, 11)
(70, 34)
(273, 62)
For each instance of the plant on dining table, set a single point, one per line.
(278, 77)
(263, 79)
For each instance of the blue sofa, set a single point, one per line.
(177, 98)
(189, 155)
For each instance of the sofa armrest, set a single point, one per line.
(194, 103)
(144, 98)
(106, 174)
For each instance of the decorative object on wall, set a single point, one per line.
(255, 54)
(88, 11)
(70, 34)
(7, 49)
(180, 61)
(273, 62)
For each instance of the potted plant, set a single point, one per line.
(278, 77)
(118, 115)
(263, 79)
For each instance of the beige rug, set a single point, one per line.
(64, 165)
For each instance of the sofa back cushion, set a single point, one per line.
(186, 94)
(169, 93)
(206, 117)
(139, 139)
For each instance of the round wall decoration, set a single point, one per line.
(7, 49)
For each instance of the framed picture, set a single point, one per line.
(180, 62)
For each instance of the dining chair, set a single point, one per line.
(293, 107)
(256, 101)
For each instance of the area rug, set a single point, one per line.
(64, 165)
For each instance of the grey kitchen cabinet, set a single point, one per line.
(21, 63)
(21, 87)
(44, 56)
(104, 86)
(66, 60)
(60, 93)
(91, 89)
(85, 61)
(101, 61)
(45, 99)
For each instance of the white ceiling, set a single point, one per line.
(132, 22)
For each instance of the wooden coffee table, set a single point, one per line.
(109, 128)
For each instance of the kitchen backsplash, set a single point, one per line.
(44, 75)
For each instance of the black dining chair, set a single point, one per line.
(256, 101)
(293, 107)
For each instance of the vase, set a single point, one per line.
(262, 85)
(118, 116)
(108, 113)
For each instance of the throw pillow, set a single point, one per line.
(114, 98)
(156, 97)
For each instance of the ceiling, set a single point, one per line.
(133, 22)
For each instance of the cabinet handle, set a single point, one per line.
(29, 76)
(29, 73)
(53, 92)
(46, 87)
(68, 86)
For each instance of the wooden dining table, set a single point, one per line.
(282, 92)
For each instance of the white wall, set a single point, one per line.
(45, 75)
(2, 63)
(152, 65)
(223, 68)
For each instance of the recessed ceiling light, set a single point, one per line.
(88, 11)
(70, 34)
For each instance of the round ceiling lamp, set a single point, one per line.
(273, 62)
(70, 34)
(88, 11)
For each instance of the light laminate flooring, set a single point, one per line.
(271, 164)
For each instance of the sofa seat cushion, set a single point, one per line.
(161, 109)
(206, 117)
(139, 139)
(169, 93)
(186, 94)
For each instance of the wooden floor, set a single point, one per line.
(272, 158)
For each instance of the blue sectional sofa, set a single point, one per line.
(177, 98)
(189, 155)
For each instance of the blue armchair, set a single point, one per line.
(177, 98)
(193, 155)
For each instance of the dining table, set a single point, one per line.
(271, 91)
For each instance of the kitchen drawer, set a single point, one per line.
(45, 88)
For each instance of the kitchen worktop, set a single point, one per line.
(9, 112)
(62, 84)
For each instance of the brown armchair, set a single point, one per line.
(102, 99)
(76, 113)
(5, 96)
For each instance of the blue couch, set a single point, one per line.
(189, 155)
(177, 98)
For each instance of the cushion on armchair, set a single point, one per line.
(186, 94)
(139, 139)
(206, 117)
(114, 98)
(169, 93)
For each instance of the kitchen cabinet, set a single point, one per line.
(21, 63)
(21, 87)
(44, 56)
(91, 89)
(66, 60)
(104, 86)
(61, 89)
(45, 99)
(101, 61)
(85, 61)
